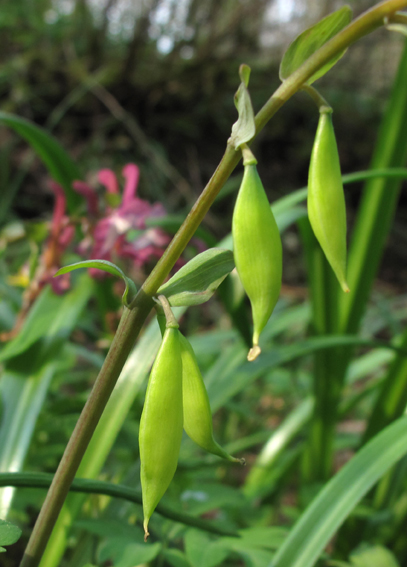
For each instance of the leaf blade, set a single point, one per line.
(340, 495)
(60, 166)
(197, 281)
(311, 40)
(9, 533)
(108, 267)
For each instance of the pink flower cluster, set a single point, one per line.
(107, 233)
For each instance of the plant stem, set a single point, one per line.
(129, 327)
(90, 486)
(170, 320)
(133, 318)
(320, 101)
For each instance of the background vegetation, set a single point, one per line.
(152, 82)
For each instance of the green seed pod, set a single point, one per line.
(326, 201)
(161, 424)
(197, 411)
(257, 250)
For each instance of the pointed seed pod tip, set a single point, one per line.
(196, 407)
(253, 353)
(146, 532)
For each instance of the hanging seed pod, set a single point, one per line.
(257, 248)
(326, 201)
(197, 411)
(161, 423)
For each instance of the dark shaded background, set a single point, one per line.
(152, 81)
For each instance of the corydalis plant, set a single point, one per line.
(113, 228)
(314, 61)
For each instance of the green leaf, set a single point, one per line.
(211, 497)
(268, 537)
(9, 534)
(337, 499)
(245, 128)
(60, 166)
(257, 479)
(124, 553)
(45, 333)
(176, 558)
(51, 315)
(197, 281)
(311, 40)
(256, 545)
(202, 551)
(105, 527)
(221, 387)
(106, 266)
(376, 556)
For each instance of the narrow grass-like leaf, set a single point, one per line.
(23, 398)
(60, 166)
(340, 495)
(342, 313)
(235, 376)
(50, 315)
(324, 289)
(392, 396)
(311, 40)
(24, 391)
(285, 209)
(378, 205)
(106, 266)
(278, 441)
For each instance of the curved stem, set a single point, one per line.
(134, 317)
(320, 101)
(170, 320)
(43, 480)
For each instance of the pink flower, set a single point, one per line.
(61, 235)
(109, 236)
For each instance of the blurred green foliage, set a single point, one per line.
(119, 82)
